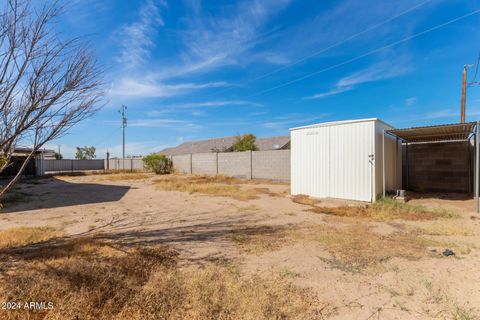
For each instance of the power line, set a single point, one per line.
(317, 53)
(476, 72)
(369, 53)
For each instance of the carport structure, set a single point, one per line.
(435, 135)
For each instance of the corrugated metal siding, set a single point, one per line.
(333, 161)
(350, 169)
(393, 161)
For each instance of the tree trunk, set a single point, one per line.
(17, 176)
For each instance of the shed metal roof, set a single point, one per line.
(338, 123)
(445, 132)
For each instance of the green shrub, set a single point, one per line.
(158, 163)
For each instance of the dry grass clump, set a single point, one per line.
(93, 279)
(261, 239)
(352, 248)
(440, 228)
(356, 247)
(125, 176)
(16, 237)
(385, 210)
(214, 186)
(232, 180)
(216, 293)
(304, 199)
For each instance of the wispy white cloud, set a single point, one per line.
(137, 39)
(379, 71)
(332, 92)
(136, 88)
(178, 125)
(214, 41)
(213, 104)
(410, 101)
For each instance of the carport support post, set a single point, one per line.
(477, 159)
(383, 162)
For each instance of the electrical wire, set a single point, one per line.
(369, 53)
(476, 72)
(317, 53)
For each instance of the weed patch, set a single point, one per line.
(257, 240)
(22, 236)
(353, 248)
(304, 199)
(214, 186)
(356, 247)
(125, 176)
(385, 210)
(91, 279)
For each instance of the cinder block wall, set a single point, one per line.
(439, 167)
(204, 163)
(235, 164)
(274, 164)
(182, 163)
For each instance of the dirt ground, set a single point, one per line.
(270, 233)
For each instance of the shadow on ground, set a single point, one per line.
(43, 194)
(201, 233)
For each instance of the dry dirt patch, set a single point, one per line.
(125, 176)
(88, 278)
(212, 185)
(383, 210)
(353, 248)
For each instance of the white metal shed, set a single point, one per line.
(344, 159)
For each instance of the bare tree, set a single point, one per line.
(47, 84)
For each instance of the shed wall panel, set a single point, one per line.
(335, 160)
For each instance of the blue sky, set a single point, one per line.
(197, 69)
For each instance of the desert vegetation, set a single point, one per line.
(382, 210)
(142, 246)
(213, 186)
(88, 278)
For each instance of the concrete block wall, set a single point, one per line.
(182, 163)
(124, 164)
(235, 164)
(439, 167)
(273, 164)
(204, 163)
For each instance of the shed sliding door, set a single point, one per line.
(350, 169)
(333, 161)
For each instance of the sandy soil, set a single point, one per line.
(199, 226)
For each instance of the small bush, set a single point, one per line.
(158, 163)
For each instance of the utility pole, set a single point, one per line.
(124, 124)
(464, 94)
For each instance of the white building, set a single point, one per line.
(344, 159)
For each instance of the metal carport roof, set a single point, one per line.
(445, 132)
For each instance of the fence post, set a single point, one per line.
(217, 161)
(131, 164)
(191, 163)
(251, 164)
(108, 161)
